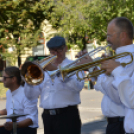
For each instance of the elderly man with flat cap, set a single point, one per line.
(58, 98)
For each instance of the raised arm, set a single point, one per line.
(122, 84)
(32, 92)
(72, 82)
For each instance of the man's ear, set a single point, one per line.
(123, 36)
(14, 79)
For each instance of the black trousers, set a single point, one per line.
(115, 128)
(26, 130)
(65, 123)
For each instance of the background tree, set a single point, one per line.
(81, 21)
(20, 22)
(77, 21)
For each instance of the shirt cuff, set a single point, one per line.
(117, 71)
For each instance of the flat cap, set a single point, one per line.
(56, 41)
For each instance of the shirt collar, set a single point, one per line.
(127, 48)
(15, 91)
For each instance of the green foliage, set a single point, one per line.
(77, 19)
(20, 22)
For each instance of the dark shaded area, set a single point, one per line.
(95, 127)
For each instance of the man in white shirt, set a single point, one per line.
(125, 91)
(16, 102)
(58, 98)
(120, 36)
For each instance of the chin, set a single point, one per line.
(5, 85)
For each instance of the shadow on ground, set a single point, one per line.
(95, 127)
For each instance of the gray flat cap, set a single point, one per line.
(56, 41)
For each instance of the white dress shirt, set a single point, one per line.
(111, 103)
(56, 94)
(17, 100)
(125, 87)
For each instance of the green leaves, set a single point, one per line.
(78, 21)
(90, 18)
(21, 19)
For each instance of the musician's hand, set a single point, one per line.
(104, 55)
(50, 67)
(81, 53)
(85, 59)
(109, 66)
(8, 126)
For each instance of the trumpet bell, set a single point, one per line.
(32, 73)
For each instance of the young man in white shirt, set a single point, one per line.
(120, 36)
(16, 102)
(58, 98)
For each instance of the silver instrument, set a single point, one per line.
(91, 53)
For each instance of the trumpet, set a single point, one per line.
(66, 72)
(33, 73)
(91, 53)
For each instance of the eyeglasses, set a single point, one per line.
(4, 77)
(58, 50)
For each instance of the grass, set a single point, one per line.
(2, 90)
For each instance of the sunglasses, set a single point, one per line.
(4, 77)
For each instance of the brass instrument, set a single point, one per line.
(91, 53)
(33, 73)
(82, 67)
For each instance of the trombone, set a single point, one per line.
(66, 72)
(91, 53)
(33, 73)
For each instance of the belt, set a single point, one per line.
(59, 110)
(114, 119)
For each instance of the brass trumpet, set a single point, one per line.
(33, 73)
(82, 67)
(91, 53)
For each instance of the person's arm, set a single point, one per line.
(121, 87)
(72, 82)
(25, 123)
(50, 67)
(125, 86)
(31, 92)
(3, 112)
(30, 108)
(104, 82)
